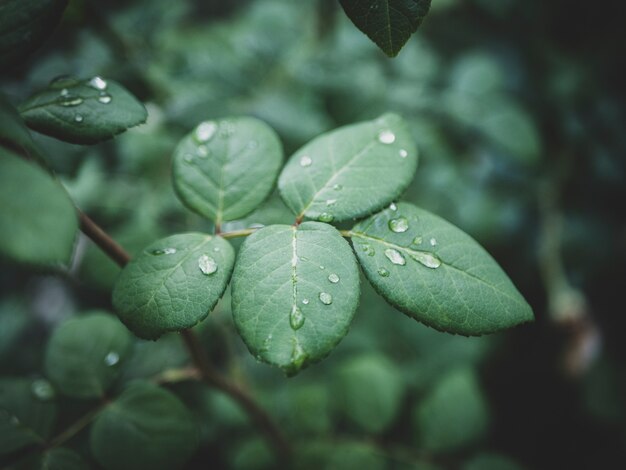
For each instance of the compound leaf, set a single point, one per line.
(145, 427)
(350, 172)
(294, 293)
(436, 273)
(83, 111)
(173, 284)
(389, 23)
(84, 354)
(224, 170)
(38, 221)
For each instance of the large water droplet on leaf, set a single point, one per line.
(205, 131)
(207, 264)
(70, 100)
(98, 83)
(111, 358)
(386, 137)
(399, 225)
(326, 217)
(305, 160)
(334, 278)
(326, 298)
(296, 318)
(427, 259)
(395, 256)
(164, 251)
(105, 98)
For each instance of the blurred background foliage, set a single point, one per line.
(518, 110)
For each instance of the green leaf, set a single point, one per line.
(24, 25)
(14, 134)
(146, 427)
(62, 459)
(173, 284)
(369, 392)
(294, 293)
(27, 413)
(38, 221)
(224, 170)
(350, 172)
(83, 111)
(84, 354)
(389, 23)
(454, 415)
(436, 273)
(490, 461)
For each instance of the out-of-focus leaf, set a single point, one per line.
(389, 23)
(340, 455)
(61, 458)
(24, 25)
(145, 427)
(173, 284)
(436, 273)
(489, 461)
(38, 221)
(83, 111)
(14, 134)
(293, 308)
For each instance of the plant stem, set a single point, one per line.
(346, 233)
(76, 427)
(238, 233)
(201, 361)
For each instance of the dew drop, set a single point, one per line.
(403, 153)
(393, 207)
(368, 250)
(399, 225)
(205, 131)
(78, 118)
(164, 251)
(427, 259)
(64, 92)
(326, 217)
(203, 151)
(337, 187)
(305, 161)
(105, 98)
(188, 157)
(305, 301)
(42, 389)
(417, 241)
(386, 137)
(69, 100)
(433, 242)
(298, 356)
(322, 267)
(296, 319)
(331, 202)
(383, 272)
(112, 358)
(98, 83)
(207, 264)
(395, 256)
(216, 249)
(326, 298)
(334, 278)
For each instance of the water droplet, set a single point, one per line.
(205, 131)
(393, 207)
(383, 272)
(207, 264)
(417, 241)
(433, 242)
(188, 157)
(326, 217)
(395, 256)
(42, 389)
(78, 118)
(203, 151)
(98, 83)
(326, 298)
(105, 98)
(164, 251)
(333, 278)
(427, 259)
(267, 343)
(386, 137)
(305, 301)
(399, 225)
(322, 267)
(64, 92)
(305, 160)
(296, 319)
(337, 187)
(298, 356)
(70, 100)
(369, 251)
(404, 153)
(217, 248)
(112, 358)
(331, 202)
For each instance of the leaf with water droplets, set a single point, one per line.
(84, 354)
(25, 418)
(298, 286)
(24, 25)
(389, 23)
(145, 427)
(173, 284)
(351, 171)
(38, 222)
(436, 273)
(83, 111)
(224, 169)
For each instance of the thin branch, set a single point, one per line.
(238, 233)
(346, 233)
(208, 373)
